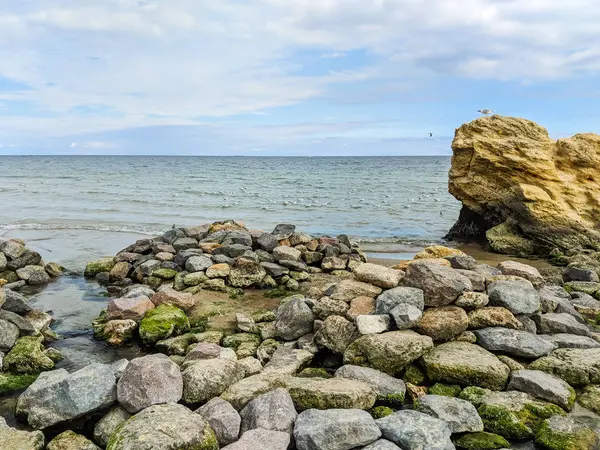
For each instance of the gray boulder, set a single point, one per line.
(580, 274)
(261, 440)
(460, 415)
(267, 242)
(271, 411)
(205, 379)
(286, 254)
(391, 298)
(385, 386)
(25, 326)
(406, 316)
(58, 396)
(572, 341)
(372, 323)
(286, 360)
(463, 261)
(223, 419)
(521, 270)
(334, 429)
(382, 444)
(283, 231)
(198, 263)
(441, 285)
(16, 303)
(149, 380)
(576, 366)
(544, 386)
(294, 319)
(160, 427)
(106, 426)
(518, 296)
(413, 430)
(9, 333)
(336, 334)
(347, 290)
(552, 323)
(513, 342)
(275, 270)
(328, 306)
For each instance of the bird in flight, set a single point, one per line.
(485, 112)
(430, 134)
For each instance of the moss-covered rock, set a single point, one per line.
(512, 414)
(565, 433)
(10, 382)
(153, 282)
(413, 374)
(163, 322)
(504, 238)
(577, 366)
(164, 273)
(448, 390)
(381, 411)
(27, 357)
(244, 344)
(590, 398)
(70, 440)
(481, 441)
(93, 268)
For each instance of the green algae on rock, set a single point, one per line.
(448, 390)
(27, 357)
(70, 440)
(10, 382)
(244, 344)
(381, 411)
(481, 441)
(93, 268)
(413, 374)
(578, 367)
(565, 433)
(163, 322)
(590, 398)
(511, 414)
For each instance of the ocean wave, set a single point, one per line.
(421, 242)
(87, 227)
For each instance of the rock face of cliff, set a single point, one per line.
(522, 192)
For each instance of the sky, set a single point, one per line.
(288, 77)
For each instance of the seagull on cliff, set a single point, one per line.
(485, 112)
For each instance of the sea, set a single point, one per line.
(73, 209)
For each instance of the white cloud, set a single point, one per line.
(96, 65)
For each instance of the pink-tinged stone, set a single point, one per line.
(182, 300)
(129, 308)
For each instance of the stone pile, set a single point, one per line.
(225, 255)
(20, 266)
(438, 353)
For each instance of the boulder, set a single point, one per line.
(205, 379)
(283, 231)
(360, 306)
(513, 342)
(389, 352)
(15, 302)
(218, 271)
(589, 398)
(372, 324)
(492, 316)
(459, 414)
(286, 360)
(387, 388)
(27, 357)
(405, 316)
(347, 290)
(294, 319)
(552, 323)
(377, 275)
(320, 393)
(116, 332)
(391, 298)
(579, 274)
(565, 433)
(271, 411)
(163, 322)
(413, 430)
(444, 323)
(521, 270)
(578, 367)
(477, 280)
(34, 275)
(246, 273)
(93, 268)
(382, 444)
(58, 396)
(441, 285)
(286, 254)
(149, 380)
(267, 242)
(518, 296)
(481, 440)
(14, 439)
(170, 296)
(70, 440)
(543, 386)
(106, 426)
(328, 306)
(133, 308)
(336, 334)
(223, 419)
(335, 429)
(465, 364)
(572, 341)
(161, 427)
(511, 414)
(472, 300)
(9, 333)
(509, 169)
(260, 440)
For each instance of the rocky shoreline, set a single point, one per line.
(440, 352)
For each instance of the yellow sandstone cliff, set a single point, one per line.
(523, 192)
